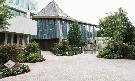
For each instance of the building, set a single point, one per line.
(21, 26)
(53, 26)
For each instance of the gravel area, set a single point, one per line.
(82, 67)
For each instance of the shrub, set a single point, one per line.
(114, 51)
(16, 70)
(105, 53)
(31, 53)
(21, 57)
(32, 47)
(64, 49)
(9, 52)
(34, 57)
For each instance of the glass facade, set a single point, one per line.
(46, 29)
(26, 4)
(64, 29)
(18, 13)
(83, 31)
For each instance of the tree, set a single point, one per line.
(74, 35)
(5, 15)
(121, 32)
(116, 26)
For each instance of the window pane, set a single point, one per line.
(17, 2)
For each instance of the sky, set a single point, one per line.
(92, 10)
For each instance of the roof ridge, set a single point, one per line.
(52, 9)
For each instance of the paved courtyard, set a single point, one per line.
(83, 67)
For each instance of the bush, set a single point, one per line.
(64, 49)
(16, 70)
(21, 57)
(114, 51)
(105, 53)
(31, 53)
(34, 57)
(9, 52)
(32, 47)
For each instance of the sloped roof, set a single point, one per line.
(52, 9)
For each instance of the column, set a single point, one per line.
(6, 37)
(89, 32)
(23, 40)
(59, 32)
(12, 39)
(93, 32)
(67, 28)
(28, 39)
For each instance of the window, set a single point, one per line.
(22, 3)
(18, 13)
(17, 2)
(10, 1)
(33, 5)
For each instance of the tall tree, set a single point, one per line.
(117, 27)
(74, 35)
(5, 15)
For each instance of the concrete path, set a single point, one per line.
(84, 67)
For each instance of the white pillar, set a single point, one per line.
(28, 14)
(28, 39)
(93, 32)
(59, 30)
(6, 37)
(23, 41)
(12, 39)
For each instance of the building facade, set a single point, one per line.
(53, 26)
(21, 26)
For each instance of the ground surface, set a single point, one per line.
(85, 67)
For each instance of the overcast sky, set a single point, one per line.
(92, 10)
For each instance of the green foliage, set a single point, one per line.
(106, 53)
(15, 70)
(64, 49)
(5, 15)
(31, 54)
(32, 47)
(34, 57)
(121, 33)
(21, 57)
(9, 52)
(99, 33)
(74, 35)
(15, 53)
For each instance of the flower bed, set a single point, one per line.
(15, 70)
